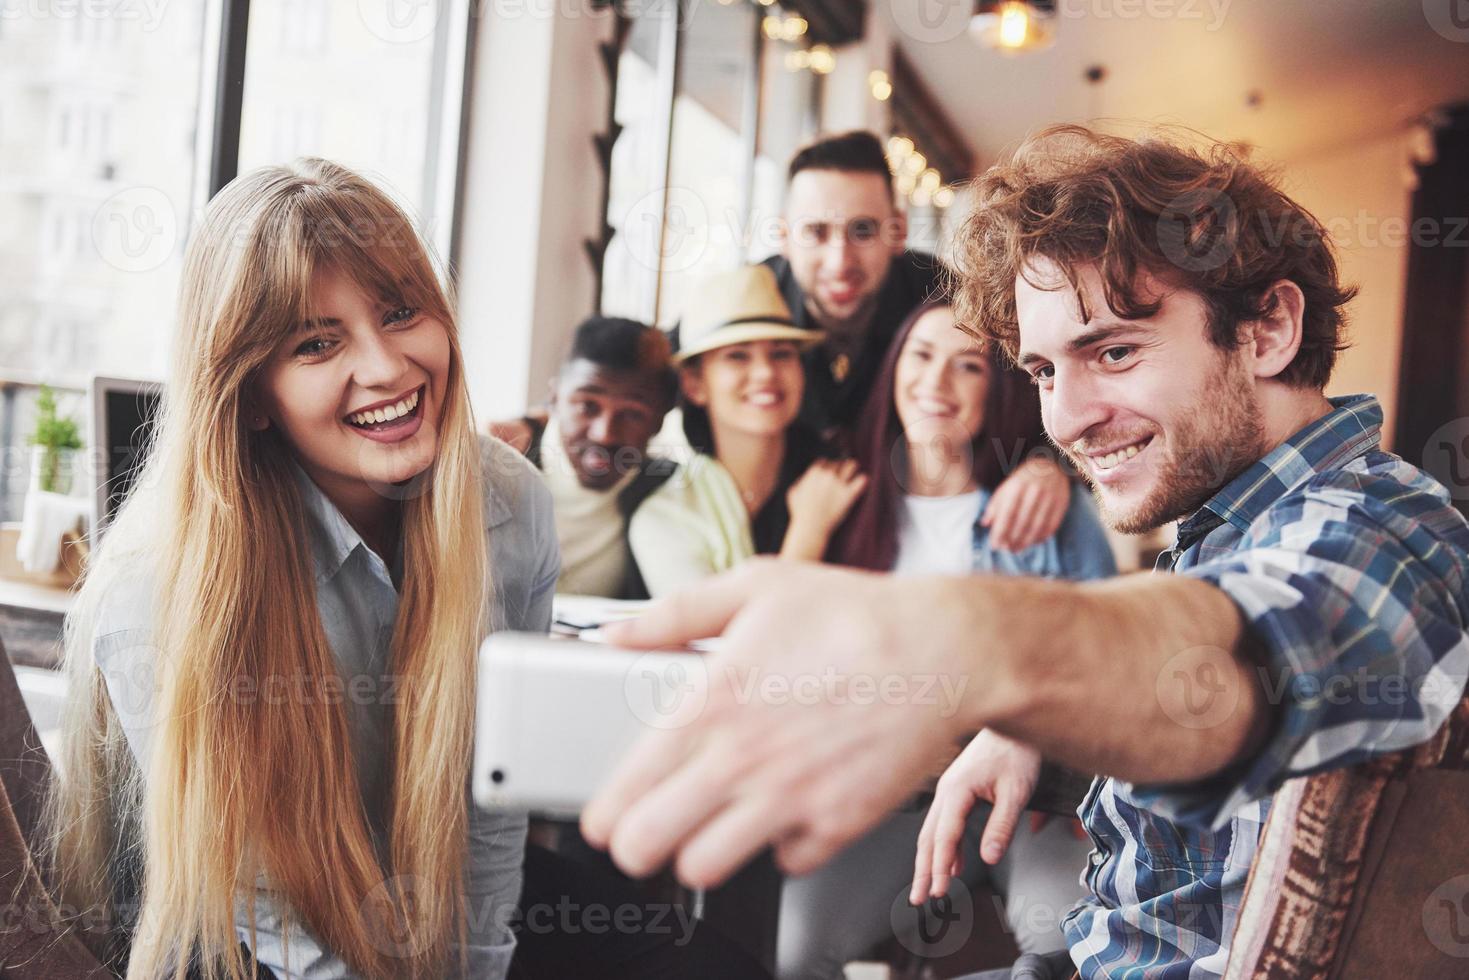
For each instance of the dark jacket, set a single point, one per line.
(832, 406)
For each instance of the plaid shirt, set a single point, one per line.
(1350, 568)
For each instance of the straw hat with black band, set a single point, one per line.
(737, 307)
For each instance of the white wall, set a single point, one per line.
(847, 101)
(1360, 193)
(532, 194)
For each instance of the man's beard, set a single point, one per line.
(1205, 450)
(842, 328)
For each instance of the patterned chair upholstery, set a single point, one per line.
(1363, 873)
(31, 946)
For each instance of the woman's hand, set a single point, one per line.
(1028, 506)
(518, 432)
(993, 768)
(818, 502)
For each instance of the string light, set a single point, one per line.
(943, 197)
(784, 28)
(880, 84)
(822, 59)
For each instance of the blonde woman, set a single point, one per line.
(272, 657)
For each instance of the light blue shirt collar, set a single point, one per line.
(333, 538)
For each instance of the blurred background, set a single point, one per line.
(565, 156)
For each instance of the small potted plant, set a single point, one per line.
(55, 441)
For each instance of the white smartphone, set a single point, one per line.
(555, 714)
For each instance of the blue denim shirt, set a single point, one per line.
(358, 604)
(1078, 550)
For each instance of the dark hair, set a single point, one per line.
(619, 344)
(1010, 434)
(1202, 219)
(857, 152)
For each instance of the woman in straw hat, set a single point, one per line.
(757, 482)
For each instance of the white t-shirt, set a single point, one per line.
(936, 535)
(589, 526)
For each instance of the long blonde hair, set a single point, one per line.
(247, 790)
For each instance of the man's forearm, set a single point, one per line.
(1145, 678)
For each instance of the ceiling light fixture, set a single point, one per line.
(1013, 26)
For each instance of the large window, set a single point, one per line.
(325, 79)
(108, 126)
(97, 141)
(710, 112)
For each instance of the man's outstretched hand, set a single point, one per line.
(829, 701)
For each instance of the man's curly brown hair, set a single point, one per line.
(1202, 219)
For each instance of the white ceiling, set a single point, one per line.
(1328, 72)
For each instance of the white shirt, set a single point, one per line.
(589, 525)
(936, 535)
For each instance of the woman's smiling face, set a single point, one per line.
(753, 387)
(358, 391)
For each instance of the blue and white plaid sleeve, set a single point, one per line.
(1355, 599)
